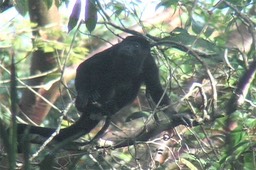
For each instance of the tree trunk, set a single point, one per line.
(31, 104)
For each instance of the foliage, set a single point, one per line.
(201, 54)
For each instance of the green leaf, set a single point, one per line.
(249, 162)
(74, 16)
(118, 8)
(236, 3)
(48, 3)
(91, 24)
(72, 23)
(167, 3)
(90, 15)
(198, 27)
(50, 80)
(137, 115)
(198, 44)
(22, 7)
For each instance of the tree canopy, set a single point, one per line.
(205, 51)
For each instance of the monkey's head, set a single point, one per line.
(134, 46)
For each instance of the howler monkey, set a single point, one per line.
(110, 80)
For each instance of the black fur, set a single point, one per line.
(110, 80)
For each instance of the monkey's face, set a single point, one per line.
(134, 47)
(129, 56)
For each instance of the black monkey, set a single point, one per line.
(110, 80)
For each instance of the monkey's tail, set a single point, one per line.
(42, 131)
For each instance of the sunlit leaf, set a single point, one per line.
(198, 27)
(181, 36)
(22, 7)
(167, 3)
(50, 80)
(118, 8)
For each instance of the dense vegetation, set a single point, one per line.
(206, 53)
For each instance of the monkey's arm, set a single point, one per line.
(152, 81)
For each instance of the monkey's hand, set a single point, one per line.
(187, 119)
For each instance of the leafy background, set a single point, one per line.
(195, 42)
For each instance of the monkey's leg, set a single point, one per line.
(102, 130)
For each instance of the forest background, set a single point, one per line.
(206, 53)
